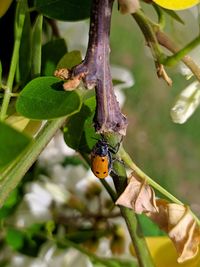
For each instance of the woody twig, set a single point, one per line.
(94, 71)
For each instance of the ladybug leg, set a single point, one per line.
(115, 149)
(111, 160)
(119, 160)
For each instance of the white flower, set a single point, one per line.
(187, 103)
(55, 151)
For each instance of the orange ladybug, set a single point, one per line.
(101, 159)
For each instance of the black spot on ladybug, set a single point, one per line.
(103, 160)
(104, 173)
(97, 172)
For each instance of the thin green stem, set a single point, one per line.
(151, 29)
(120, 181)
(11, 178)
(172, 60)
(127, 159)
(148, 30)
(161, 17)
(19, 22)
(142, 252)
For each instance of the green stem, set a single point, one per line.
(19, 22)
(161, 17)
(141, 249)
(127, 159)
(120, 181)
(172, 60)
(146, 27)
(13, 176)
(150, 29)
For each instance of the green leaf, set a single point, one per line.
(20, 17)
(44, 98)
(174, 15)
(24, 63)
(37, 46)
(0, 74)
(12, 143)
(69, 10)
(51, 54)
(14, 238)
(79, 132)
(149, 228)
(70, 60)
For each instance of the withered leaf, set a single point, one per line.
(138, 196)
(71, 84)
(62, 73)
(175, 219)
(163, 74)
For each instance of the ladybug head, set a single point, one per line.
(101, 148)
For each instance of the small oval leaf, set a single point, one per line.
(44, 98)
(69, 10)
(70, 60)
(52, 52)
(79, 132)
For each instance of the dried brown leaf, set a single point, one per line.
(160, 217)
(183, 231)
(175, 219)
(138, 196)
(128, 6)
(71, 84)
(62, 73)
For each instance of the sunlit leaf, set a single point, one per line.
(44, 98)
(69, 60)
(4, 5)
(176, 4)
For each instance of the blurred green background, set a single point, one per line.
(166, 151)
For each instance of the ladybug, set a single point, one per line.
(101, 159)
